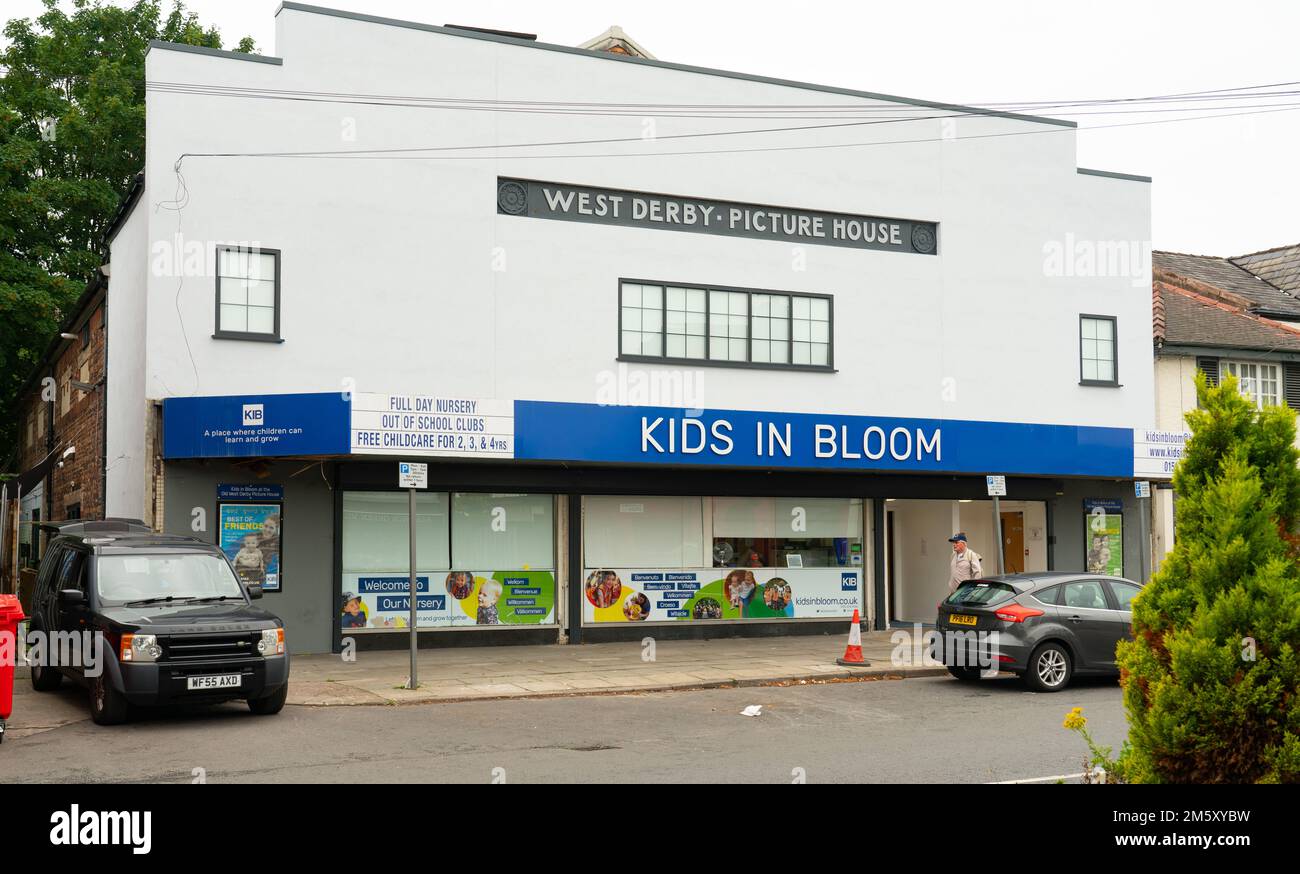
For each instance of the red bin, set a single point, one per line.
(11, 613)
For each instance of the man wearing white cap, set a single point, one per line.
(965, 564)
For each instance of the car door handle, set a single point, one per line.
(1076, 618)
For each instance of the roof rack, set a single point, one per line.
(83, 527)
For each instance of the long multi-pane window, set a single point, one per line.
(724, 325)
(1261, 381)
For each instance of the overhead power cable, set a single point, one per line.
(994, 107)
(407, 153)
(837, 113)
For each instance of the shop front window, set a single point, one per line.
(786, 532)
(481, 559)
(694, 558)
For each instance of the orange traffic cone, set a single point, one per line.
(853, 652)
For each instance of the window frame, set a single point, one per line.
(1114, 334)
(1112, 593)
(1279, 379)
(1107, 602)
(220, 334)
(749, 363)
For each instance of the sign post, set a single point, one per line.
(412, 476)
(997, 486)
(1142, 489)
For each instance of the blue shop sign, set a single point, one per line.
(319, 424)
(653, 435)
(242, 426)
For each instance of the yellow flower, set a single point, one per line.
(1074, 720)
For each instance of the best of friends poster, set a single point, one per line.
(1105, 536)
(250, 538)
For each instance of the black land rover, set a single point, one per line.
(172, 619)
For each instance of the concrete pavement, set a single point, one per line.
(484, 673)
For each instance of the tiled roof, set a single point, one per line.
(1279, 267)
(1185, 318)
(1224, 274)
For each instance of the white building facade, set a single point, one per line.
(664, 373)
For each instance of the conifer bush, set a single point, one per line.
(1212, 677)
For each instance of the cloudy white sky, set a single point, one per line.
(1224, 187)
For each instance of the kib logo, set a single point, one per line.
(848, 582)
(253, 415)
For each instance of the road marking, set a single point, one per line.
(1038, 779)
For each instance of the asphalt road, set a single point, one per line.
(926, 730)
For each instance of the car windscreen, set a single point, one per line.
(980, 593)
(122, 579)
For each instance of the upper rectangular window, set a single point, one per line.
(1098, 364)
(721, 325)
(1262, 382)
(248, 293)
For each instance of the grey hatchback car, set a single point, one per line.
(1046, 627)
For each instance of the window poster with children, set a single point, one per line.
(250, 536)
(664, 595)
(459, 597)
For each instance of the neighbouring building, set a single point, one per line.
(1221, 316)
(63, 418)
(664, 375)
(60, 454)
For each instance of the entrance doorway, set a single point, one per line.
(1013, 541)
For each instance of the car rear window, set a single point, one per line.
(979, 593)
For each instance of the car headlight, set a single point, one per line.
(140, 648)
(272, 642)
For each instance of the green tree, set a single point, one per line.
(71, 140)
(1212, 675)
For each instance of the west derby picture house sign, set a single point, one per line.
(638, 209)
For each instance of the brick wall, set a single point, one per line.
(77, 421)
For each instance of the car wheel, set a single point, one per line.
(45, 679)
(271, 704)
(1050, 668)
(964, 674)
(107, 705)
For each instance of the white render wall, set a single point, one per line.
(388, 265)
(1175, 390)
(126, 462)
